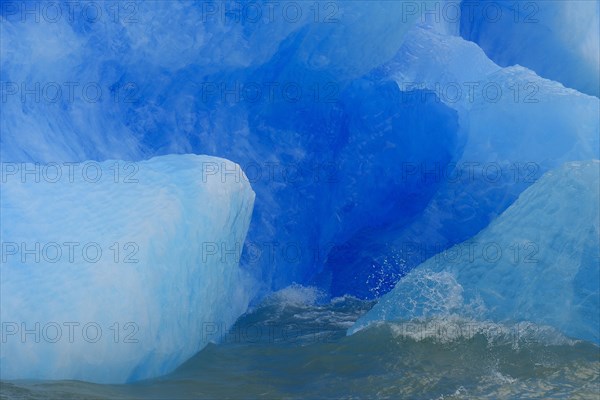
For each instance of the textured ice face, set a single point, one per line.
(342, 153)
(119, 271)
(129, 83)
(310, 159)
(513, 127)
(557, 39)
(536, 262)
(158, 80)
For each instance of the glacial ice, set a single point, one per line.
(537, 262)
(513, 127)
(559, 40)
(355, 165)
(151, 84)
(131, 85)
(118, 271)
(173, 103)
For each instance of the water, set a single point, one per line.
(294, 346)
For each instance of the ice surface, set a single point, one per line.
(539, 262)
(128, 84)
(166, 72)
(153, 264)
(513, 127)
(336, 159)
(559, 40)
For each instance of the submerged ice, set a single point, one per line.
(114, 271)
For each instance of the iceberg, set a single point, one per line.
(118, 271)
(538, 262)
(261, 83)
(351, 142)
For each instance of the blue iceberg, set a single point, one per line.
(374, 134)
(511, 127)
(545, 243)
(118, 271)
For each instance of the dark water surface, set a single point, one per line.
(293, 347)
